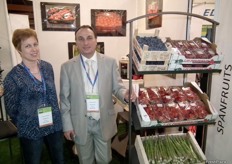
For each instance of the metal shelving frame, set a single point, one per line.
(209, 72)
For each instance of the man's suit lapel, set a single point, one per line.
(79, 77)
(101, 72)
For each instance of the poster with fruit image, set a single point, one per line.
(153, 7)
(60, 16)
(109, 22)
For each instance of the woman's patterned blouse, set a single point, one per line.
(24, 95)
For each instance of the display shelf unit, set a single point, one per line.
(132, 112)
(176, 72)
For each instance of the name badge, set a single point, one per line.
(45, 116)
(92, 103)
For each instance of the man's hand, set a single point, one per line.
(69, 135)
(133, 96)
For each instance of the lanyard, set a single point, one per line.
(96, 76)
(35, 81)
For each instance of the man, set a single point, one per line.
(88, 82)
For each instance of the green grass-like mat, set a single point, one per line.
(16, 158)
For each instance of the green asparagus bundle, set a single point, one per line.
(170, 149)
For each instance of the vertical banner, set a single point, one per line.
(219, 142)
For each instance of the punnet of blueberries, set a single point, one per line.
(154, 43)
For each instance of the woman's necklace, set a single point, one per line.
(37, 75)
(35, 71)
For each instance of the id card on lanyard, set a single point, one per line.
(45, 116)
(92, 103)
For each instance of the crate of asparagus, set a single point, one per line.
(180, 148)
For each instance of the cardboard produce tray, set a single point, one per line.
(150, 55)
(145, 120)
(149, 65)
(200, 47)
(179, 67)
(163, 61)
(142, 156)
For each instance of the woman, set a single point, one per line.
(31, 101)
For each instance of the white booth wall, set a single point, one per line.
(54, 44)
(173, 26)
